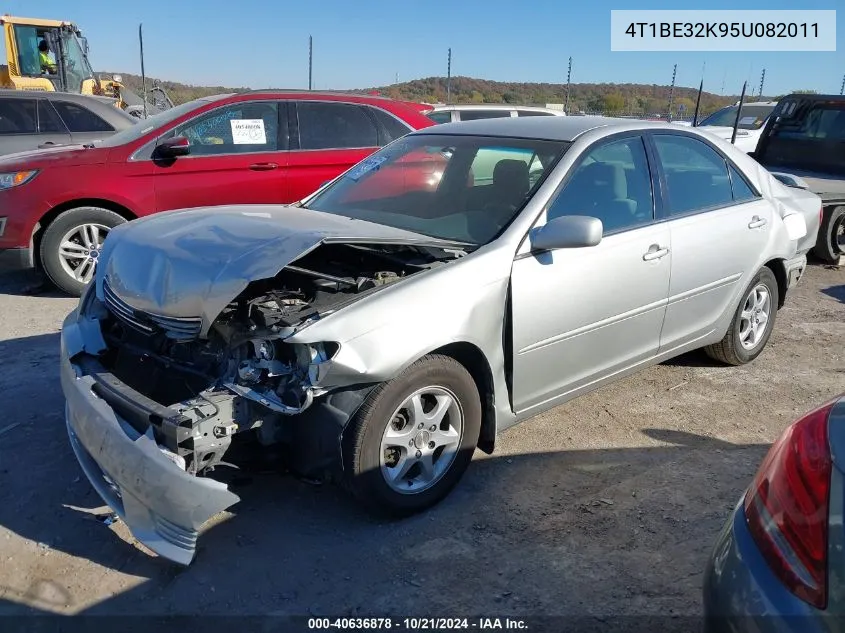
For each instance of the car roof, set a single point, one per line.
(565, 128)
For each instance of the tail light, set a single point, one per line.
(786, 507)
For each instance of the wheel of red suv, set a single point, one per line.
(752, 324)
(413, 438)
(71, 245)
(830, 243)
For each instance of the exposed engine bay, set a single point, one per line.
(244, 376)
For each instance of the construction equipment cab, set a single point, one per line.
(62, 67)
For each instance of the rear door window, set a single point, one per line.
(328, 125)
(696, 175)
(48, 120)
(80, 119)
(17, 116)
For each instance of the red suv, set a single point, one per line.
(57, 205)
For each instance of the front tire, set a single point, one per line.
(752, 324)
(831, 240)
(413, 438)
(71, 246)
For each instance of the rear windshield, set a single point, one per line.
(752, 118)
(823, 121)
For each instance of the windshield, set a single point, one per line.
(145, 126)
(752, 118)
(77, 68)
(457, 188)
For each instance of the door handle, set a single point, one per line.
(655, 252)
(756, 222)
(263, 166)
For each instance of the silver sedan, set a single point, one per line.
(462, 279)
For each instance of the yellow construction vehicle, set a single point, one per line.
(68, 69)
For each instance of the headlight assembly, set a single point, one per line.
(16, 178)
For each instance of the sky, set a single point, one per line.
(264, 43)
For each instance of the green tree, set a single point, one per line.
(613, 102)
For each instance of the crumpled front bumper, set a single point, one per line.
(163, 506)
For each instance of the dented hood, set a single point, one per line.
(193, 263)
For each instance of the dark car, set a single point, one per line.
(778, 564)
(32, 120)
(263, 147)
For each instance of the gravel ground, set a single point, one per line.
(605, 506)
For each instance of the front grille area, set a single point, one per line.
(176, 328)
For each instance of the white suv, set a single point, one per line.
(450, 113)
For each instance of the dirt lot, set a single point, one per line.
(605, 506)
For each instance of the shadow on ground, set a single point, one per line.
(837, 292)
(612, 531)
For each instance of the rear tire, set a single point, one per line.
(745, 340)
(399, 459)
(71, 246)
(831, 239)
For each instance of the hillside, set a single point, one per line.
(620, 98)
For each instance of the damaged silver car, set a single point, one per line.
(462, 279)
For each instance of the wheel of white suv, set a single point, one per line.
(752, 324)
(413, 438)
(71, 246)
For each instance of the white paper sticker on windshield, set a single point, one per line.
(248, 132)
(747, 120)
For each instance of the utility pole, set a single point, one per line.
(449, 77)
(842, 88)
(397, 77)
(568, 80)
(672, 92)
(762, 79)
(724, 77)
(143, 74)
(310, 60)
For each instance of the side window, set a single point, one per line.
(488, 159)
(48, 120)
(821, 122)
(612, 183)
(390, 128)
(532, 113)
(696, 175)
(327, 125)
(17, 116)
(742, 190)
(441, 116)
(239, 128)
(80, 119)
(475, 115)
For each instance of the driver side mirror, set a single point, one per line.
(173, 147)
(567, 231)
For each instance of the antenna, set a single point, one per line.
(310, 60)
(449, 77)
(568, 79)
(143, 74)
(672, 92)
(698, 103)
(738, 113)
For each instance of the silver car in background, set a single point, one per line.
(400, 317)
